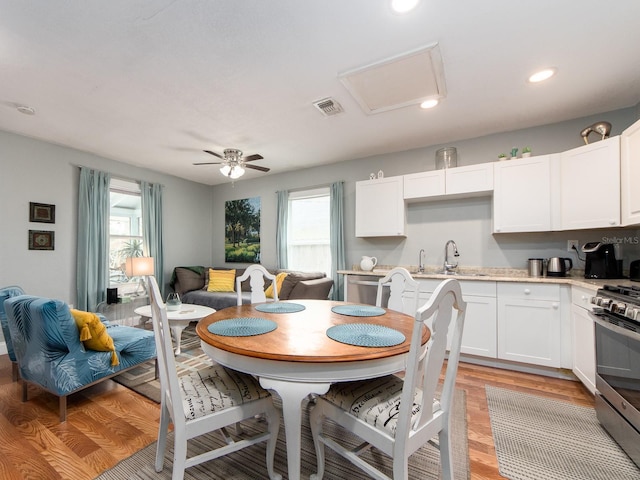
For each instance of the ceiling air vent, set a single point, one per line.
(328, 107)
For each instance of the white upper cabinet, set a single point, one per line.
(465, 181)
(629, 175)
(522, 194)
(380, 208)
(424, 184)
(590, 186)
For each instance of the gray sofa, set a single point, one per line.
(191, 284)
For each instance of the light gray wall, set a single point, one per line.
(35, 171)
(431, 224)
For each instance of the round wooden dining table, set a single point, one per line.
(298, 358)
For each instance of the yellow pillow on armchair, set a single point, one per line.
(93, 334)
(221, 280)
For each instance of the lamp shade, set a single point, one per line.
(138, 266)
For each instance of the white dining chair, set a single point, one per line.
(399, 415)
(257, 274)
(210, 399)
(403, 291)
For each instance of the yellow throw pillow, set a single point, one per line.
(93, 334)
(279, 279)
(221, 280)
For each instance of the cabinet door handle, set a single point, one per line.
(527, 291)
(555, 306)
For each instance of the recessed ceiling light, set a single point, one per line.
(26, 110)
(429, 103)
(403, 6)
(542, 75)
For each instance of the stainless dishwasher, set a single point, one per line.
(363, 289)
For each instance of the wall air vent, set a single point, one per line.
(328, 107)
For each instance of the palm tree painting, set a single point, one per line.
(242, 230)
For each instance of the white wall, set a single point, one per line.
(431, 224)
(35, 171)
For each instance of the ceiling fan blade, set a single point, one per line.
(209, 163)
(253, 157)
(257, 167)
(213, 153)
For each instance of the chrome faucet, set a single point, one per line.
(448, 267)
(420, 264)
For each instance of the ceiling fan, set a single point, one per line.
(233, 163)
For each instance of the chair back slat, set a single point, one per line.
(403, 291)
(257, 273)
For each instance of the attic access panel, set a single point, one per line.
(400, 81)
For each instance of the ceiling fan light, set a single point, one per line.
(225, 169)
(236, 172)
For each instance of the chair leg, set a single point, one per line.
(15, 372)
(163, 430)
(179, 454)
(24, 391)
(446, 461)
(63, 409)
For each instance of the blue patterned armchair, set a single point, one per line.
(5, 293)
(47, 346)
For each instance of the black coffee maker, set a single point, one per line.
(601, 261)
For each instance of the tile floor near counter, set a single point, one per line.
(136, 420)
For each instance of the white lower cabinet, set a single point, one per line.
(583, 337)
(479, 334)
(530, 324)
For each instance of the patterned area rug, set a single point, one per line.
(142, 379)
(542, 439)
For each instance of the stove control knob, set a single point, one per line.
(633, 313)
(619, 308)
(604, 302)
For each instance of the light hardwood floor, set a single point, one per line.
(108, 423)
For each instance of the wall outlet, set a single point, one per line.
(571, 244)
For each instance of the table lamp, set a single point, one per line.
(139, 267)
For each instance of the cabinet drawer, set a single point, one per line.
(468, 287)
(529, 291)
(582, 297)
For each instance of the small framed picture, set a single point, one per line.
(41, 240)
(42, 212)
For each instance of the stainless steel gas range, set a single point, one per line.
(617, 332)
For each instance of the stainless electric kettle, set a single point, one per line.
(557, 266)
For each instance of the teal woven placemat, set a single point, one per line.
(242, 327)
(279, 307)
(358, 310)
(365, 335)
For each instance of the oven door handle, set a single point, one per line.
(614, 328)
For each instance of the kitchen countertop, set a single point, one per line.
(490, 274)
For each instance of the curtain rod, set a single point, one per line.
(118, 177)
(300, 189)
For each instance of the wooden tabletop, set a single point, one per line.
(301, 336)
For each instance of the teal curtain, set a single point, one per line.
(152, 227)
(92, 259)
(282, 216)
(336, 202)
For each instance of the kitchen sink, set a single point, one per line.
(462, 274)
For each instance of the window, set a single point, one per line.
(125, 231)
(308, 235)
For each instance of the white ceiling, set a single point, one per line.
(153, 83)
